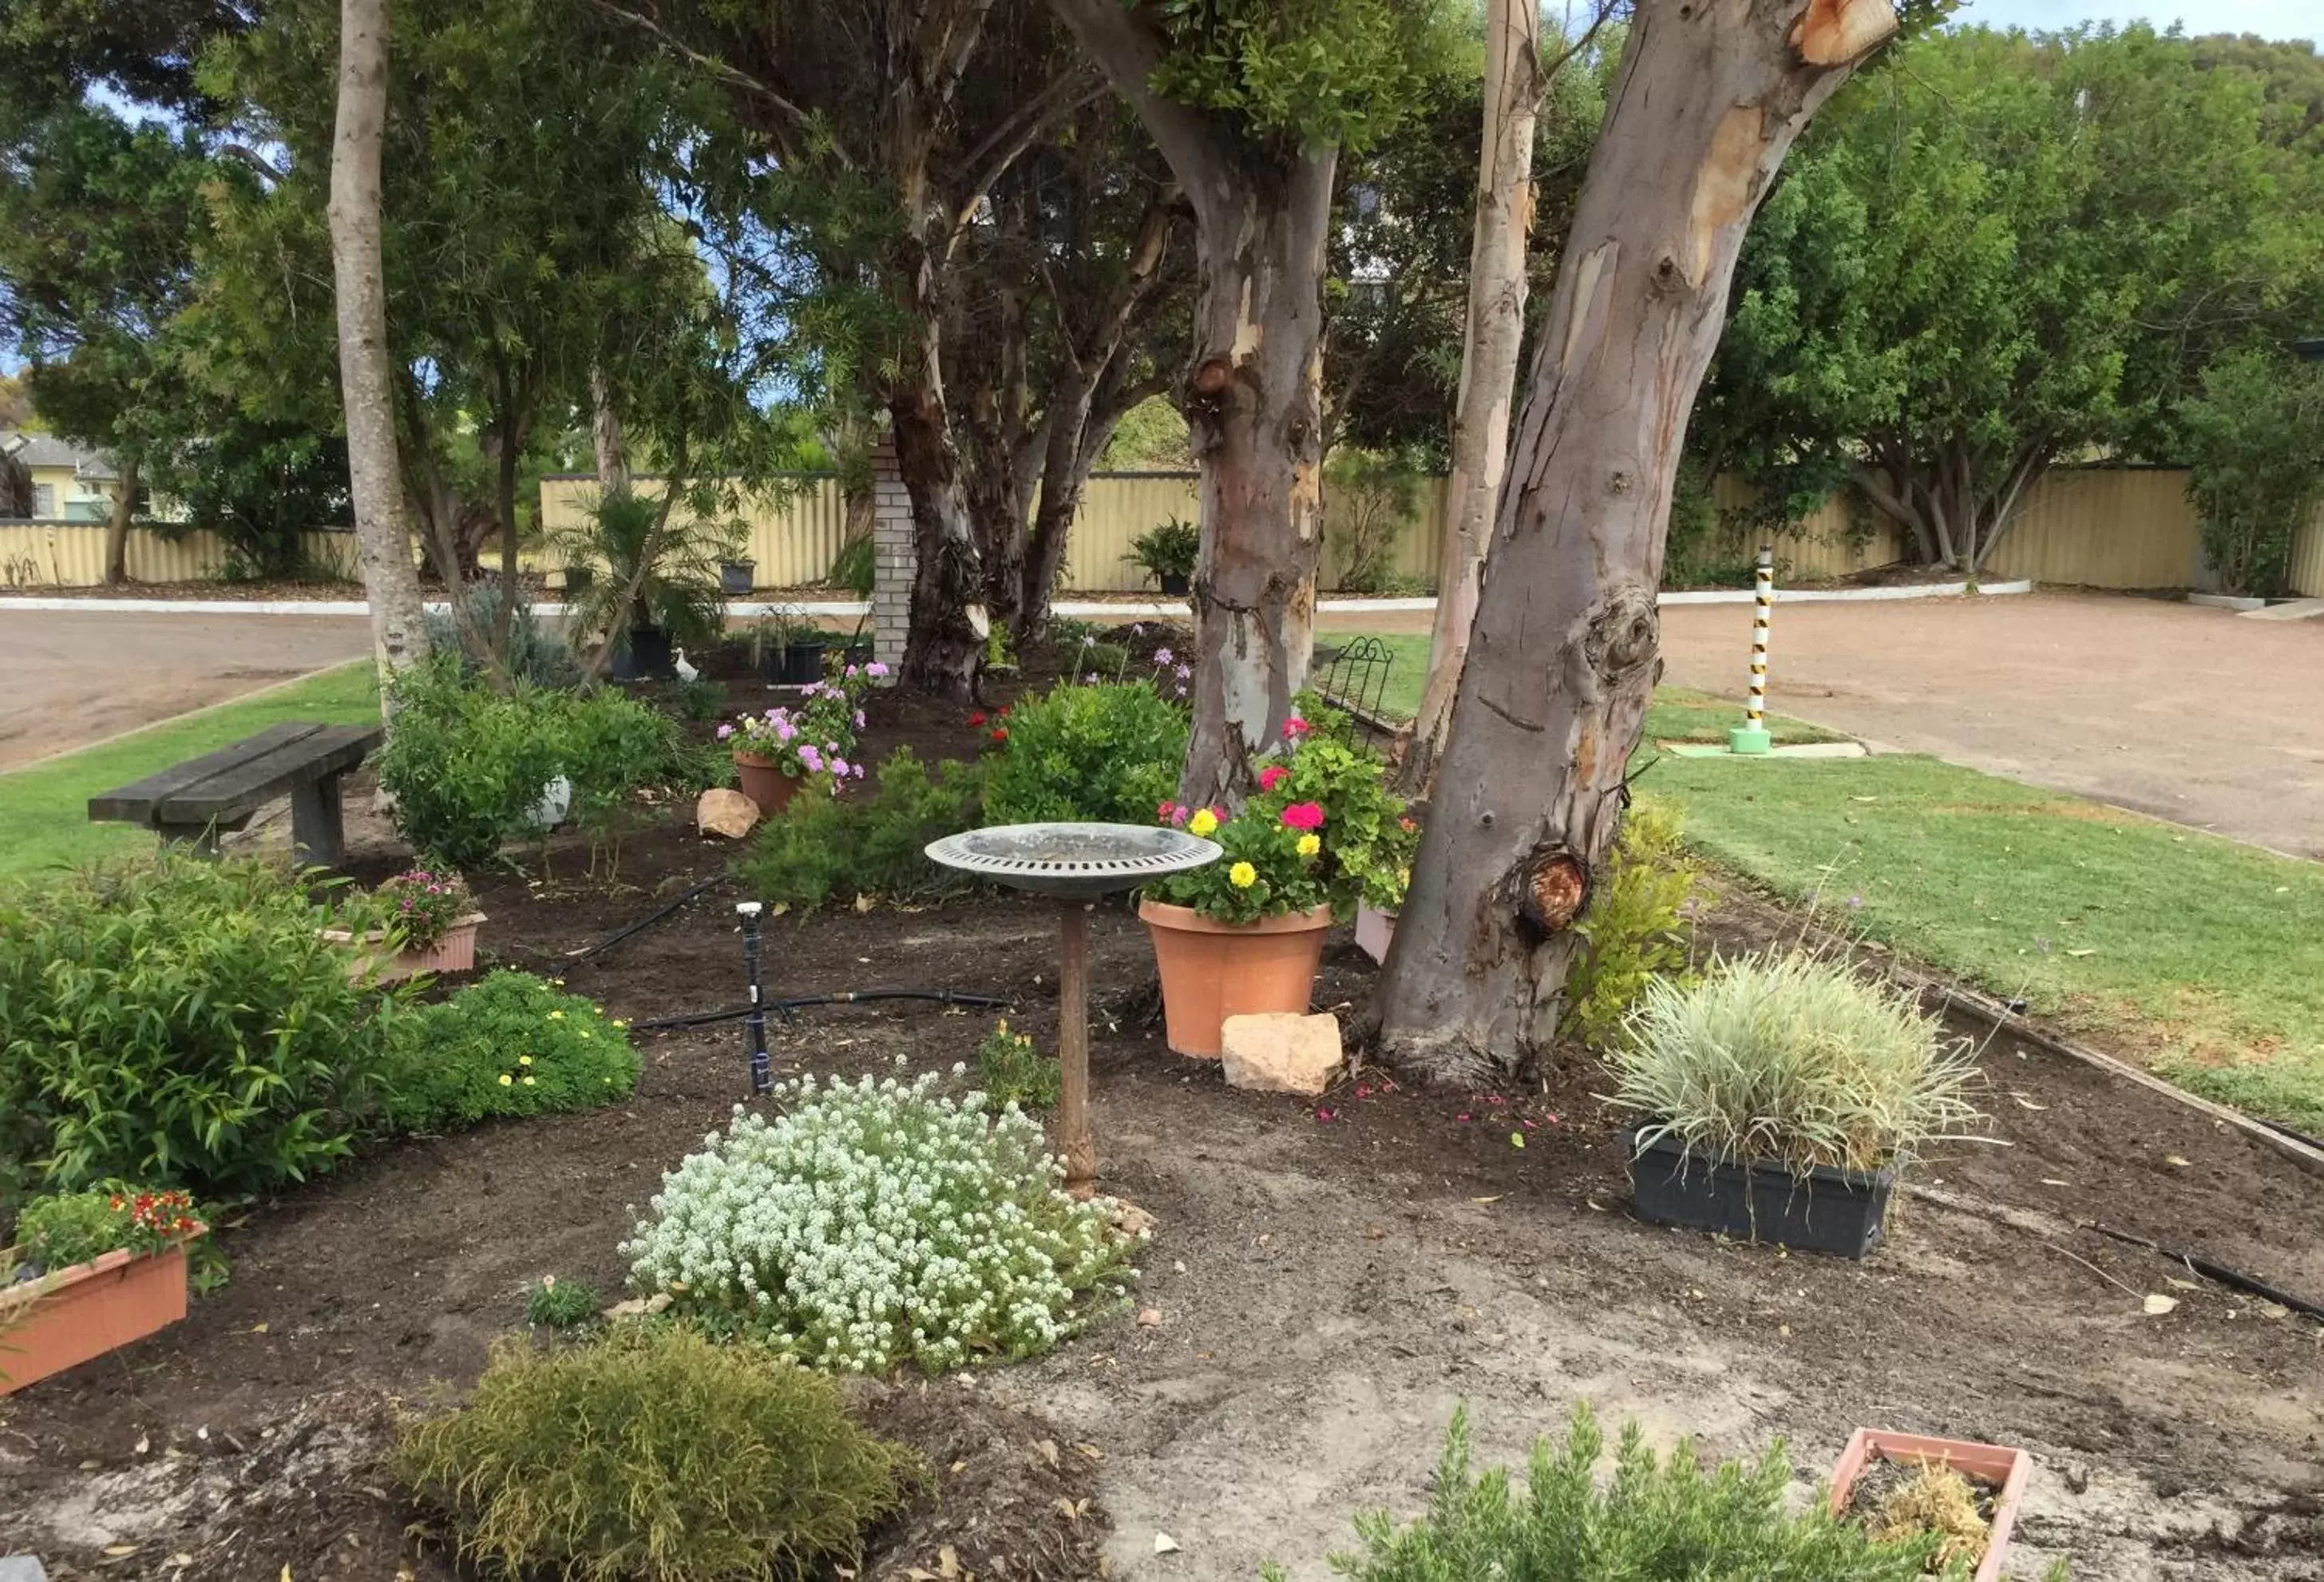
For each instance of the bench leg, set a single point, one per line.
(317, 832)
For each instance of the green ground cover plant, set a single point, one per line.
(509, 1045)
(652, 1456)
(178, 1023)
(1660, 1518)
(876, 1224)
(2202, 955)
(822, 848)
(1635, 931)
(1012, 1071)
(44, 806)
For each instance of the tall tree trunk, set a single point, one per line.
(382, 531)
(941, 652)
(1254, 405)
(1253, 400)
(1565, 649)
(1489, 365)
(116, 527)
(606, 435)
(504, 508)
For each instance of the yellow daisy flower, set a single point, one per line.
(1203, 822)
(506, 1080)
(1309, 844)
(528, 1082)
(556, 1015)
(1243, 875)
(524, 1060)
(618, 1022)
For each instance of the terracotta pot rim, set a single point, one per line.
(756, 760)
(25, 1294)
(342, 937)
(1186, 919)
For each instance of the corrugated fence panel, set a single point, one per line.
(2308, 556)
(2104, 527)
(794, 530)
(1115, 509)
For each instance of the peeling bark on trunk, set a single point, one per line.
(941, 652)
(116, 526)
(1565, 648)
(1253, 400)
(1489, 365)
(383, 531)
(606, 435)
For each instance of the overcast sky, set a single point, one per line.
(2274, 19)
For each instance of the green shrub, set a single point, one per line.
(535, 655)
(1169, 549)
(654, 1455)
(820, 847)
(466, 763)
(562, 1304)
(178, 1023)
(509, 1045)
(1787, 1056)
(1659, 1520)
(873, 1224)
(1109, 753)
(1011, 1071)
(611, 748)
(1635, 928)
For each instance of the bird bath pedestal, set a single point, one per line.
(1073, 864)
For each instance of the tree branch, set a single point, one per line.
(1198, 145)
(722, 70)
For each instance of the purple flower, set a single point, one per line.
(812, 759)
(725, 731)
(839, 767)
(858, 719)
(1136, 630)
(1184, 674)
(1163, 656)
(859, 771)
(851, 671)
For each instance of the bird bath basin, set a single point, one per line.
(1073, 865)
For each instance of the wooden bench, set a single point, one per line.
(196, 800)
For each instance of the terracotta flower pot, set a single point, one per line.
(1213, 970)
(2003, 1467)
(65, 1318)
(1375, 931)
(764, 782)
(454, 951)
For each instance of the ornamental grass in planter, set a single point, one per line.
(1781, 1095)
(93, 1272)
(1245, 935)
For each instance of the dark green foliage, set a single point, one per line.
(670, 554)
(652, 1455)
(178, 1022)
(257, 484)
(1658, 1521)
(2254, 438)
(1012, 1071)
(855, 567)
(1107, 752)
(562, 1304)
(701, 701)
(1636, 927)
(870, 842)
(510, 1045)
(1169, 549)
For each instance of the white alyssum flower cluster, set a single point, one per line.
(876, 1224)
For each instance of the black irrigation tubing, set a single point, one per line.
(845, 998)
(2296, 1135)
(647, 921)
(2215, 1272)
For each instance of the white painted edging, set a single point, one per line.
(841, 608)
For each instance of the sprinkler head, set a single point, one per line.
(748, 908)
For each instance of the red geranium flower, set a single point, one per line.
(977, 718)
(1271, 776)
(1304, 816)
(1001, 732)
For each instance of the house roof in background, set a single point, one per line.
(48, 450)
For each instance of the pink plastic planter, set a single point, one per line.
(2001, 1465)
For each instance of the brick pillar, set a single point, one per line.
(895, 556)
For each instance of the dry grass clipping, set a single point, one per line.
(1933, 1498)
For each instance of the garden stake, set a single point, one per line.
(1751, 736)
(762, 1078)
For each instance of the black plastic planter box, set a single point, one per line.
(1825, 1210)
(794, 664)
(644, 656)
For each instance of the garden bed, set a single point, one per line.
(1326, 1280)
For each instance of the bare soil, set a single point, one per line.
(1326, 1281)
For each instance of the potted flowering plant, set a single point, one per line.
(1246, 933)
(93, 1271)
(777, 750)
(428, 916)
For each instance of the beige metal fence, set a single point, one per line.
(2100, 527)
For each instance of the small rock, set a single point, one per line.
(1164, 1544)
(724, 813)
(2077, 1474)
(1151, 1317)
(22, 1569)
(640, 1307)
(1275, 1052)
(1132, 1220)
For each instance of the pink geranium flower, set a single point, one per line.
(1304, 816)
(1296, 728)
(1271, 776)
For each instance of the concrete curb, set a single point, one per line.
(841, 608)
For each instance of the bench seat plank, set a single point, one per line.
(330, 750)
(136, 802)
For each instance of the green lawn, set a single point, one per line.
(44, 809)
(2204, 955)
(1680, 714)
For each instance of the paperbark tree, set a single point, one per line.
(1488, 364)
(1567, 646)
(1257, 167)
(383, 529)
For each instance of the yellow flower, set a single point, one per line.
(586, 1034)
(1203, 822)
(524, 1060)
(1243, 875)
(556, 1015)
(506, 1080)
(618, 1022)
(528, 1082)
(1309, 844)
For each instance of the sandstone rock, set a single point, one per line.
(729, 813)
(1279, 1053)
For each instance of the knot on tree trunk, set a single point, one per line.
(1624, 638)
(1553, 886)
